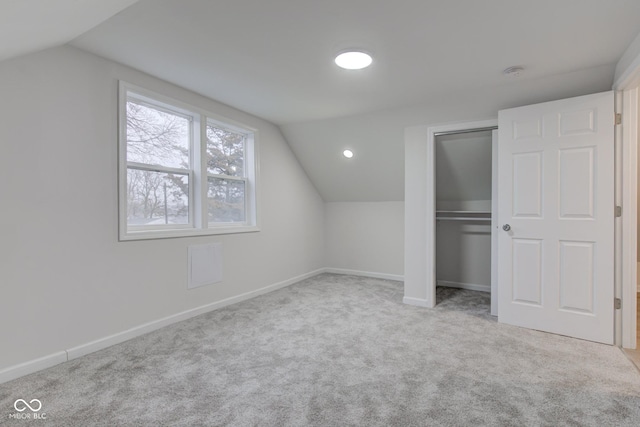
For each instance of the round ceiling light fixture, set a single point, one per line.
(513, 71)
(353, 60)
(347, 153)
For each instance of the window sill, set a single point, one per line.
(190, 232)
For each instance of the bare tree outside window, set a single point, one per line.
(226, 174)
(157, 138)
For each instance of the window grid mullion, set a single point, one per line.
(192, 175)
(226, 177)
(202, 173)
(157, 168)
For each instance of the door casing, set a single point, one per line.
(432, 132)
(627, 86)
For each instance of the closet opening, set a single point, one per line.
(464, 202)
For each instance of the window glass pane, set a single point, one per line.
(156, 137)
(157, 198)
(226, 200)
(225, 151)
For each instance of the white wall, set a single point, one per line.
(65, 278)
(415, 195)
(463, 253)
(365, 237)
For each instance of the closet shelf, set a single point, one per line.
(464, 212)
(442, 215)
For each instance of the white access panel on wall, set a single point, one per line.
(204, 265)
(556, 211)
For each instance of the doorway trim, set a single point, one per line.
(629, 219)
(430, 264)
(627, 97)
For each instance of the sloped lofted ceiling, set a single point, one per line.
(435, 61)
(31, 25)
(464, 167)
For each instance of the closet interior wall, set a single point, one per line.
(463, 210)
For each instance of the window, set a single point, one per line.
(226, 181)
(183, 171)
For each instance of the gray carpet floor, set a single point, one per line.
(340, 351)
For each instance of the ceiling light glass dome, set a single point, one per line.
(353, 60)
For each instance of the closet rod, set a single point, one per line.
(455, 132)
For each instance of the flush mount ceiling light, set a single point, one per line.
(353, 60)
(347, 153)
(513, 71)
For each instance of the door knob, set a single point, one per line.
(506, 227)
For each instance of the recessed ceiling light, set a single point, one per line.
(353, 60)
(347, 153)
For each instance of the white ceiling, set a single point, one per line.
(31, 25)
(275, 58)
(434, 61)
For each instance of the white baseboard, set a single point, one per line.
(32, 366)
(26, 368)
(469, 286)
(417, 302)
(120, 337)
(396, 277)
(36, 365)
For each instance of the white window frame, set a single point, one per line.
(198, 175)
(249, 165)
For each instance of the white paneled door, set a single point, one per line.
(556, 217)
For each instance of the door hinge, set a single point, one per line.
(617, 303)
(618, 211)
(618, 118)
